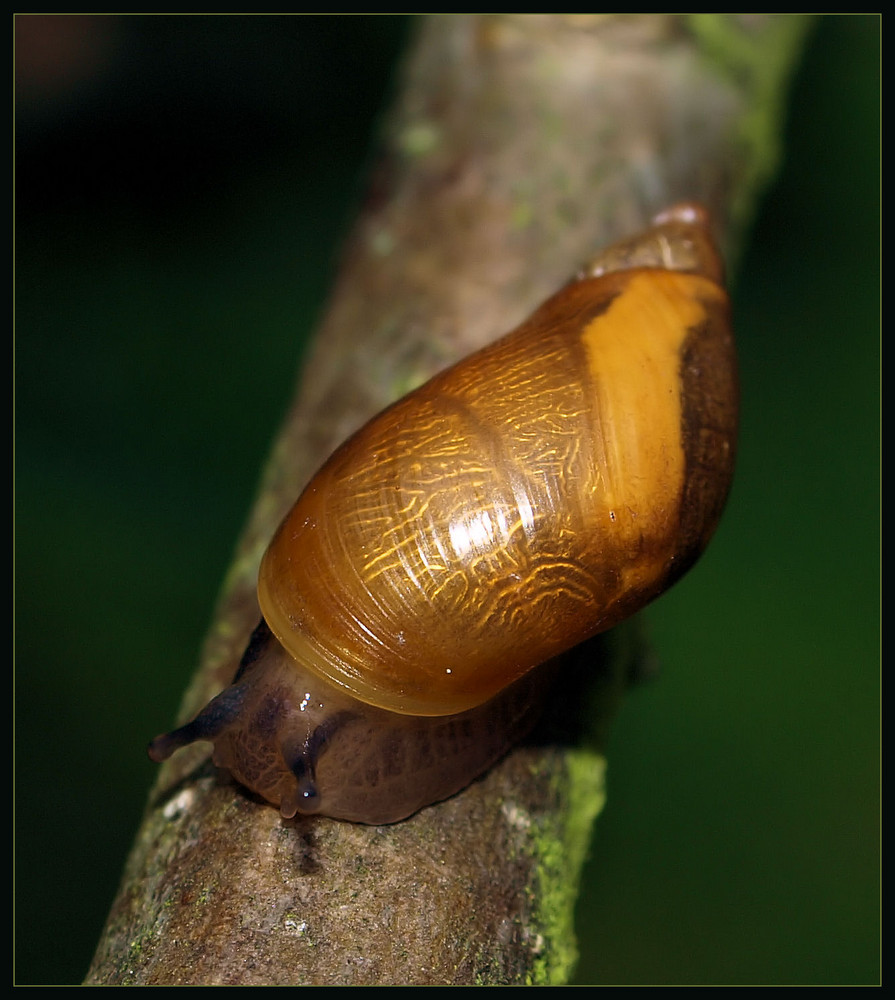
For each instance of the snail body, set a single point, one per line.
(535, 494)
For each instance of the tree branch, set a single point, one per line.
(518, 145)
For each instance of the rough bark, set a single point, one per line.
(517, 146)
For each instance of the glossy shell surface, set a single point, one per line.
(534, 494)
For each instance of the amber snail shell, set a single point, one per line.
(536, 493)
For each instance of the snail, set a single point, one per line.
(536, 493)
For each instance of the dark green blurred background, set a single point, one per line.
(182, 187)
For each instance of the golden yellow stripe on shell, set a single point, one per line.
(633, 353)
